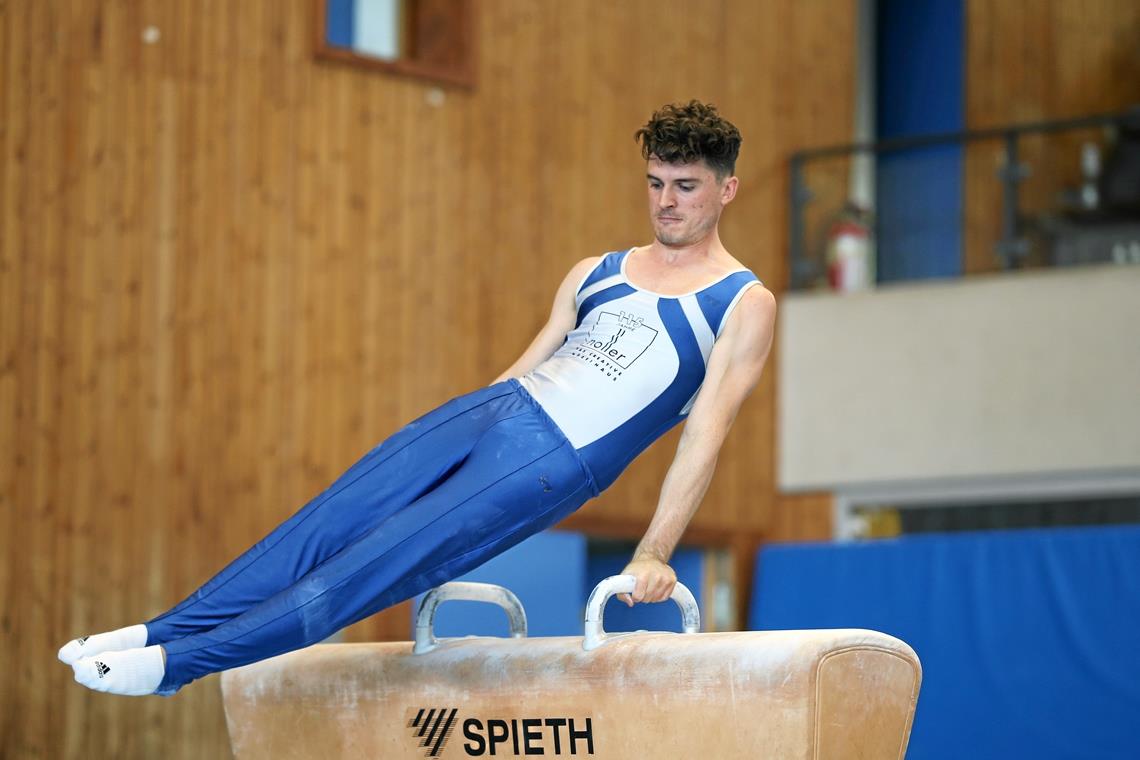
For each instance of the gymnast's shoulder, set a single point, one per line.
(752, 321)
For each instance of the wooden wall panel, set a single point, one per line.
(1034, 60)
(227, 270)
(802, 517)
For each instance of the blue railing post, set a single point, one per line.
(1012, 248)
(802, 268)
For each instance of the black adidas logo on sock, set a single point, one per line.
(102, 668)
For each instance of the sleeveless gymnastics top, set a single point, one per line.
(631, 367)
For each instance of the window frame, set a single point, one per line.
(423, 18)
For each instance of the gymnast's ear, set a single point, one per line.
(728, 190)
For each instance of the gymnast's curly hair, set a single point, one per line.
(681, 134)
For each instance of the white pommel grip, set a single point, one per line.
(468, 592)
(595, 636)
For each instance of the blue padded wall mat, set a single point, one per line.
(1029, 639)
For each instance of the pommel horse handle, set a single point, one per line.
(595, 636)
(468, 592)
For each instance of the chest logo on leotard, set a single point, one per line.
(629, 321)
(615, 342)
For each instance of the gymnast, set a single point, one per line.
(637, 340)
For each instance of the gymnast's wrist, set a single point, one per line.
(649, 554)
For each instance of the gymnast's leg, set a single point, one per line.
(521, 477)
(405, 466)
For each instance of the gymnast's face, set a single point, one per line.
(686, 200)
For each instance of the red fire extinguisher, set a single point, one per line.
(849, 250)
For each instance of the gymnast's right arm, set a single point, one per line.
(563, 315)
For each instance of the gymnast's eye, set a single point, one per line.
(686, 187)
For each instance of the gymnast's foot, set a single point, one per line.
(112, 641)
(131, 672)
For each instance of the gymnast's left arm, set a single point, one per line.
(735, 365)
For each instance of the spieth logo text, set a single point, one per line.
(498, 737)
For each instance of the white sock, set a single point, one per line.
(112, 641)
(131, 672)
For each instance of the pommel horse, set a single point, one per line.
(795, 695)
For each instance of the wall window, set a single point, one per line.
(429, 39)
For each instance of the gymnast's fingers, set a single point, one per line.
(640, 589)
(660, 589)
(664, 588)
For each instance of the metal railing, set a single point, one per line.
(1011, 248)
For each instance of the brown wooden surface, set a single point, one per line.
(1034, 60)
(227, 270)
(802, 517)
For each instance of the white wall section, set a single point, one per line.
(1021, 375)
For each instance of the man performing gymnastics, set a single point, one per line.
(637, 341)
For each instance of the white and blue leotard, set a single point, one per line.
(631, 367)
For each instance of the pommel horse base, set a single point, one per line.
(770, 694)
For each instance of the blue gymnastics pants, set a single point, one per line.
(436, 499)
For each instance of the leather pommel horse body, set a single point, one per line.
(770, 694)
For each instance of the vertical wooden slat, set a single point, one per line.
(20, 332)
(13, 120)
